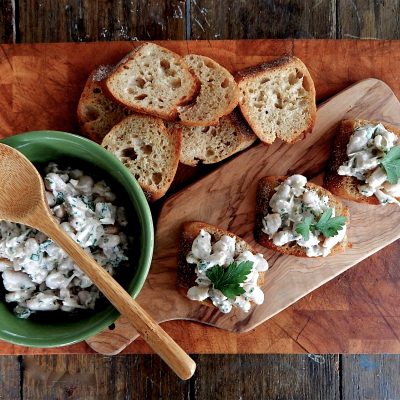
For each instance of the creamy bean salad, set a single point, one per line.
(38, 275)
(223, 255)
(367, 149)
(294, 206)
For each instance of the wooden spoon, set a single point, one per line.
(22, 200)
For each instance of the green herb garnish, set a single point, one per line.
(327, 225)
(391, 164)
(228, 279)
(330, 226)
(303, 228)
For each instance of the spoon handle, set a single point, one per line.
(151, 332)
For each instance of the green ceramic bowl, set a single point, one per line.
(57, 328)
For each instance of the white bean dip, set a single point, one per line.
(36, 273)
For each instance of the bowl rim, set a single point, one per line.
(146, 232)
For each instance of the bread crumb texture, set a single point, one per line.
(152, 80)
(278, 99)
(211, 144)
(218, 94)
(148, 150)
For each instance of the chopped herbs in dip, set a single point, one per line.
(36, 273)
(374, 159)
(225, 275)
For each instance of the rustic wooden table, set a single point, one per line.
(130, 376)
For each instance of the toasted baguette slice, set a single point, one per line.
(265, 190)
(152, 80)
(219, 93)
(346, 186)
(97, 114)
(212, 144)
(186, 274)
(278, 99)
(148, 149)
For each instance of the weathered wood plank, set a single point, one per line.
(7, 21)
(94, 377)
(243, 19)
(368, 19)
(9, 378)
(267, 377)
(146, 377)
(86, 20)
(370, 377)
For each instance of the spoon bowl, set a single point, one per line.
(21, 186)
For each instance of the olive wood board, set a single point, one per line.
(226, 198)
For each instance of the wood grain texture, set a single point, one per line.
(99, 378)
(95, 377)
(370, 377)
(82, 21)
(63, 68)
(368, 19)
(226, 198)
(144, 377)
(10, 374)
(7, 22)
(267, 377)
(87, 20)
(242, 19)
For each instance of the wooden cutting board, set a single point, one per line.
(40, 86)
(226, 198)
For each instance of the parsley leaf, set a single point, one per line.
(330, 226)
(391, 164)
(324, 218)
(303, 228)
(228, 279)
(326, 225)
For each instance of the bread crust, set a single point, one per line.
(248, 136)
(186, 274)
(265, 69)
(168, 116)
(257, 70)
(346, 186)
(265, 190)
(94, 86)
